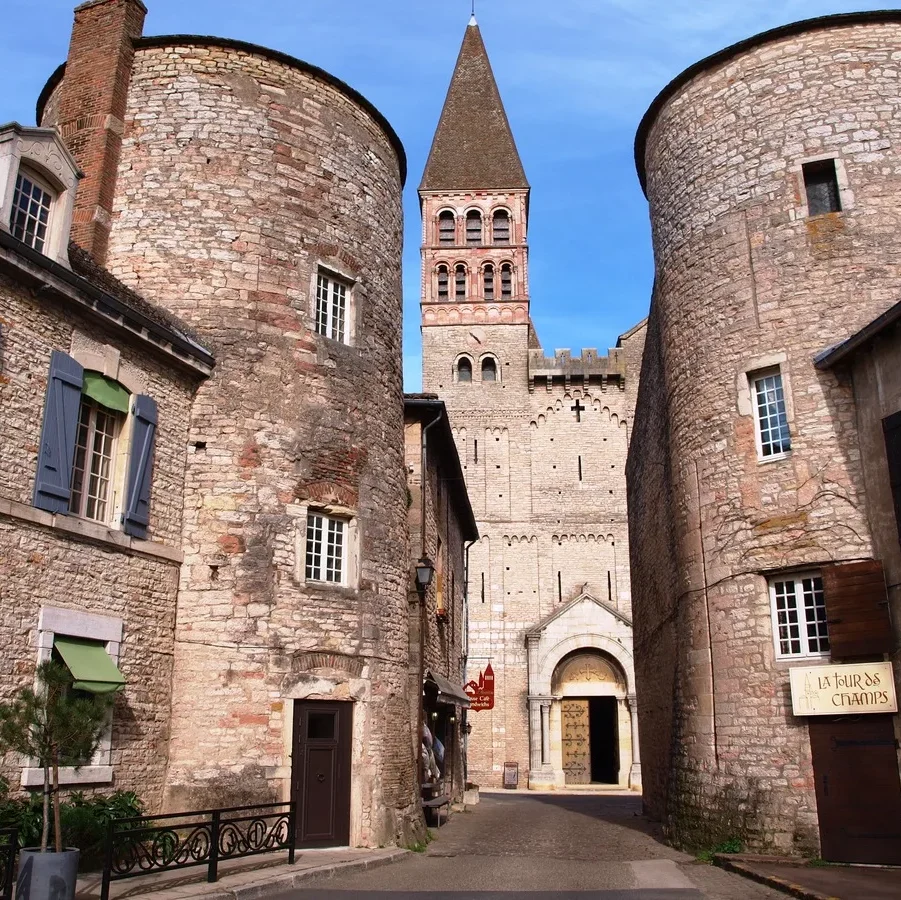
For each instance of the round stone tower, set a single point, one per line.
(259, 198)
(773, 177)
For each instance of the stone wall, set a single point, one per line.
(745, 280)
(242, 174)
(69, 564)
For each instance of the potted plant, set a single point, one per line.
(55, 726)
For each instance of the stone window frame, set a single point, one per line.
(796, 576)
(456, 369)
(499, 294)
(438, 215)
(472, 212)
(747, 402)
(483, 284)
(106, 630)
(509, 212)
(448, 273)
(497, 367)
(467, 287)
(337, 273)
(845, 193)
(41, 154)
(351, 562)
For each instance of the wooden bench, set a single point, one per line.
(435, 804)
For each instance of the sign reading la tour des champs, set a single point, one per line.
(834, 690)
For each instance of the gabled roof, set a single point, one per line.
(839, 352)
(568, 606)
(473, 148)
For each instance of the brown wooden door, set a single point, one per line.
(321, 772)
(855, 763)
(576, 742)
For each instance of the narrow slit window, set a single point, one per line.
(580, 468)
(447, 227)
(483, 587)
(460, 282)
(506, 281)
(559, 586)
(488, 281)
(473, 227)
(609, 587)
(821, 186)
(500, 227)
(443, 283)
(475, 451)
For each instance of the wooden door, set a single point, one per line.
(576, 742)
(855, 763)
(321, 772)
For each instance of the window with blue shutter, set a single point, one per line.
(136, 517)
(52, 486)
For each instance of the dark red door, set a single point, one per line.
(321, 772)
(855, 763)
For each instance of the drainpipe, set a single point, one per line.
(464, 717)
(424, 484)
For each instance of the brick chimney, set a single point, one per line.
(92, 109)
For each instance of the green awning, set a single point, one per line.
(90, 665)
(105, 391)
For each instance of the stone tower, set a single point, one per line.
(543, 442)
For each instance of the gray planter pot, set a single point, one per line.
(47, 876)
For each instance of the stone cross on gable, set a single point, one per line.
(578, 409)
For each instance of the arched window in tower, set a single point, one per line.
(489, 369)
(506, 281)
(473, 227)
(464, 369)
(443, 282)
(500, 227)
(488, 281)
(460, 282)
(447, 227)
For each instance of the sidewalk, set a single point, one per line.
(821, 882)
(242, 879)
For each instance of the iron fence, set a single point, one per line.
(9, 846)
(141, 845)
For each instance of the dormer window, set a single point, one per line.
(30, 216)
(38, 177)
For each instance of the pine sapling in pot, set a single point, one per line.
(54, 725)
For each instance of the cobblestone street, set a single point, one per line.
(555, 845)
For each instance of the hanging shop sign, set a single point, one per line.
(847, 689)
(481, 692)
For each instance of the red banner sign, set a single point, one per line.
(481, 692)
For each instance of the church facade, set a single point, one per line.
(543, 441)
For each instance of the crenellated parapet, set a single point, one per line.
(586, 370)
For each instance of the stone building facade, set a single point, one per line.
(543, 443)
(770, 171)
(259, 198)
(438, 611)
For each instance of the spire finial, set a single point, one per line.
(472, 18)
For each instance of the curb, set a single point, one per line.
(773, 881)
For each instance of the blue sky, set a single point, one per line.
(576, 77)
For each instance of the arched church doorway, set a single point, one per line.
(590, 688)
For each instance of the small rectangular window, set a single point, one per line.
(799, 616)
(768, 397)
(326, 555)
(30, 215)
(331, 308)
(821, 185)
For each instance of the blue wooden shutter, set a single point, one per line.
(140, 467)
(58, 433)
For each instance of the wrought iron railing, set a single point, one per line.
(9, 846)
(141, 845)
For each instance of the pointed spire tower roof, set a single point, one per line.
(473, 148)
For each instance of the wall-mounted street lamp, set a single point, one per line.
(424, 572)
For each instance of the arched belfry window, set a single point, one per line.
(443, 282)
(488, 281)
(464, 369)
(447, 227)
(500, 227)
(489, 369)
(473, 227)
(506, 281)
(460, 282)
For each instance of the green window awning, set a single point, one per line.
(90, 665)
(105, 391)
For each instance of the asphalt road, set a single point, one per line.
(530, 846)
